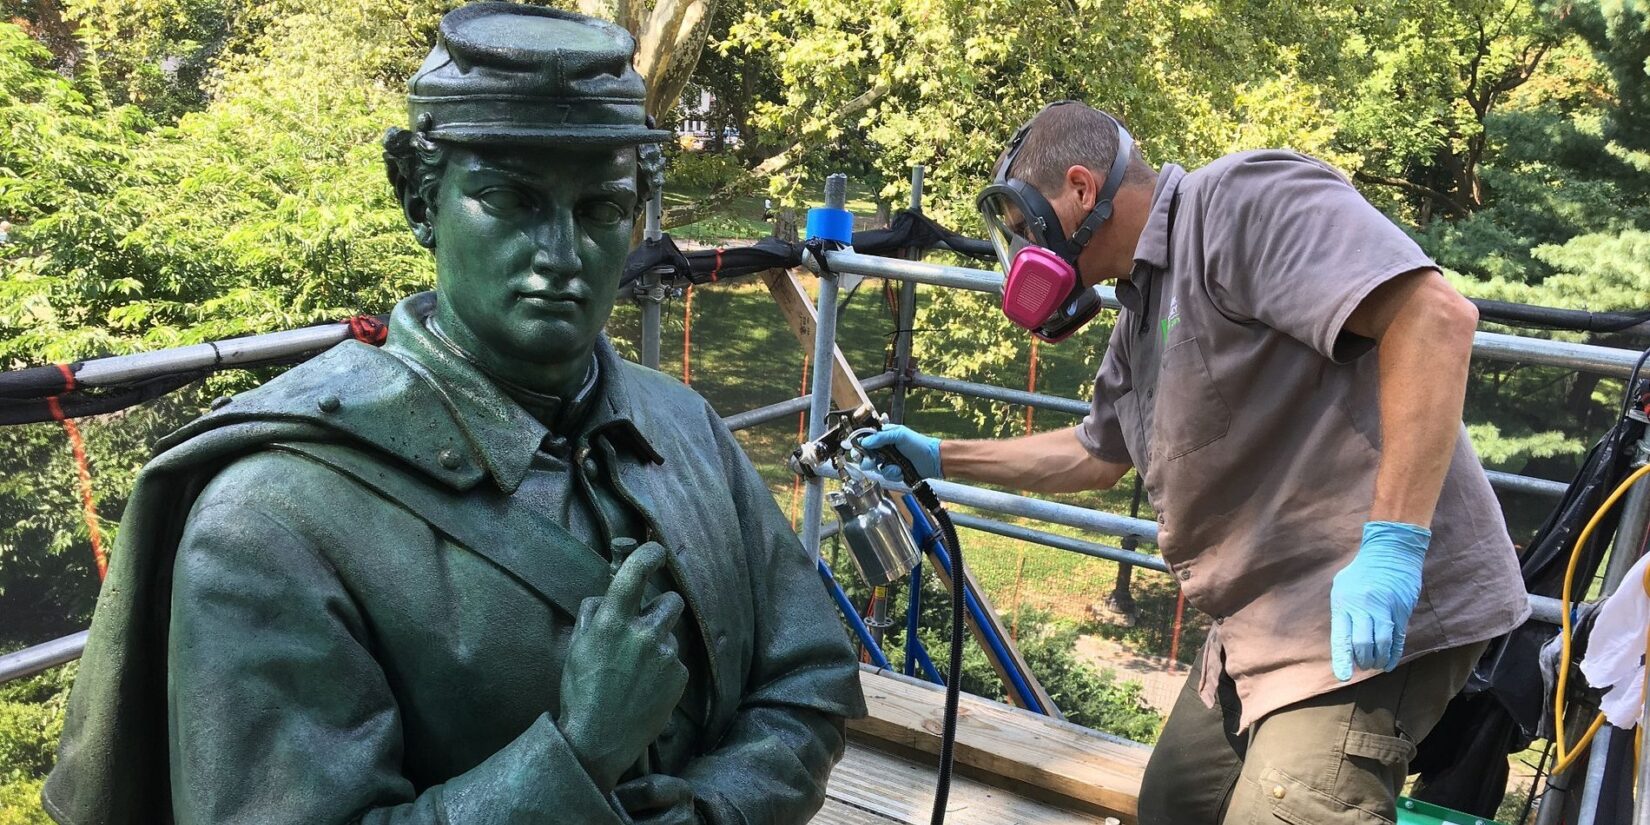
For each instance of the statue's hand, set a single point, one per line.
(658, 799)
(623, 677)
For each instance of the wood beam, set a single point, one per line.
(1022, 751)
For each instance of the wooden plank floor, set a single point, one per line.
(1055, 760)
(870, 787)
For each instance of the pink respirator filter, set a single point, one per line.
(1037, 283)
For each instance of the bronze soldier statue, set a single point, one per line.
(491, 572)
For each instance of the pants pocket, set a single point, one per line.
(1391, 751)
(1298, 803)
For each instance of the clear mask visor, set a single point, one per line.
(1008, 225)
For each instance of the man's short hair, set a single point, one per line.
(1072, 134)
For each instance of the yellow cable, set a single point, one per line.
(1567, 755)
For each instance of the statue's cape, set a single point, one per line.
(112, 763)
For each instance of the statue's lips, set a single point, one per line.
(551, 300)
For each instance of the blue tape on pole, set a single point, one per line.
(831, 224)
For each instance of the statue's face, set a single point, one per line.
(530, 243)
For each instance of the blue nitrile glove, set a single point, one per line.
(922, 451)
(1371, 599)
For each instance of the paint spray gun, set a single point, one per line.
(878, 539)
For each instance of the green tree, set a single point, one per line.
(1431, 73)
(31, 720)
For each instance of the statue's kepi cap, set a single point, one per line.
(506, 73)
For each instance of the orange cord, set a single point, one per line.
(1174, 641)
(83, 466)
(1031, 383)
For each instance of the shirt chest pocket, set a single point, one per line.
(1188, 412)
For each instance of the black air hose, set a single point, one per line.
(953, 683)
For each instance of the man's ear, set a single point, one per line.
(1083, 185)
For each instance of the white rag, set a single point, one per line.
(1615, 649)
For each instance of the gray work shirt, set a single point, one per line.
(1254, 419)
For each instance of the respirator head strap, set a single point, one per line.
(1108, 191)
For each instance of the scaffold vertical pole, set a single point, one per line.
(1628, 546)
(896, 406)
(836, 197)
(1635, 517)
(651, 293)
(907, 315)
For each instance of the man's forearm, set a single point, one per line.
(1051, 462)
(1423, 357)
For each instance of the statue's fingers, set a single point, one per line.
(663, 613)
(587, 610)
(624, 595)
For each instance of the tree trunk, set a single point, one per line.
(669, 38)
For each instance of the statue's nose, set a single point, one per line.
(557, 252)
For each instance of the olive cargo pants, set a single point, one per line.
(1336, 759)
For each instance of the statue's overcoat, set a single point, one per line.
(331, 601)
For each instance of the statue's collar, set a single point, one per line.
(561, 415)
(502, 433)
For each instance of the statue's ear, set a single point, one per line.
(402, 170)
(418, 212)
(421, 217)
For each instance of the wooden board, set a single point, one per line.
(842, 813)
(870, 787)
(800, 313)
(1033, 754)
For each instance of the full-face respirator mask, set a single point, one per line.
(1043, 292)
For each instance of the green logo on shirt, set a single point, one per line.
(1172, 318)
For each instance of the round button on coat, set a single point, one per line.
(450, 459)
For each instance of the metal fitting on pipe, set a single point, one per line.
(650, 291)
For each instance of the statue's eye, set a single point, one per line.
(504, 199)
(601, 213)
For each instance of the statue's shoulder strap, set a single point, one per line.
(511, 535)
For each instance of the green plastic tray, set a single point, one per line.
(1414, 812)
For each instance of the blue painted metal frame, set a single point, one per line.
(928, 539)
(915, 652)
(853, 617)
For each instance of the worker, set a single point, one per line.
(1287, 376)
